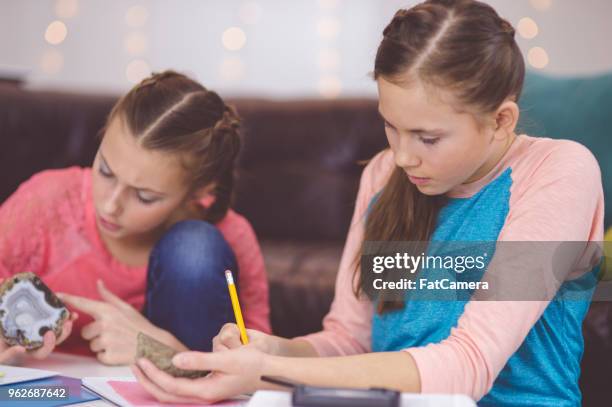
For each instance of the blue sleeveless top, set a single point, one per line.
(544, 371)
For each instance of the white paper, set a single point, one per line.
(14, 374)
(268, 398)
(100, 386)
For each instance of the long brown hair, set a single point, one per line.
(463, 46)
(170, 112)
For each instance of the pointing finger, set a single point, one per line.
(91, 330)
(91, 307)
(111, 298)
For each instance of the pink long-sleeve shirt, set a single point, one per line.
(48, 227)
(555, 194)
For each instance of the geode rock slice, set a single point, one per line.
(28, 309)
(161, 356)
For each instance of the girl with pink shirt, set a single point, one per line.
(449, 76)
(140, 241)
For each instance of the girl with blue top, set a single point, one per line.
(449, 76)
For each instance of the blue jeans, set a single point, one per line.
(187, 292)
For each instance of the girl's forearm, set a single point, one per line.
(167, 338)
(292, 348)
(392, 370)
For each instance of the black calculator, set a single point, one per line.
(312, 396)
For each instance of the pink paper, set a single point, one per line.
(136, 395)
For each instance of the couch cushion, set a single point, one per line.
(302, 279)
(41, 130)
(299, 169)
(578, 109)
(597, 358)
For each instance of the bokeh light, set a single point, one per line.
(541, 5)
(328, 59)
(52, 61)
(328, 27)
(233, 39)
(66, 8)
(56, 32)
(232, 69)
(135, 43)
(328, 4)
(329, 87)
(137, 70)
(250, 12)
(136, 16)
(527, 28)
(537, 57)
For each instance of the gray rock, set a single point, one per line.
(28, 309)
(161, 356)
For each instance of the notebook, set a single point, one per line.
(14, 374)
(126, 391)
(74, 392)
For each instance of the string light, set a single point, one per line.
(137, 70)
(328, 28)
(250, 12)
(232, 69)
(66, 8)
(541, 5)
(56, 33)
(233, 39)
(328, 4)
(537, 57)
(329, 87)
(135, 43)
(136, 16)
(527, 28)
(329, 59)
(52, 61)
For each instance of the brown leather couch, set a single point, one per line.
(299, 173)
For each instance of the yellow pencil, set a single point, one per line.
(236, 306)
